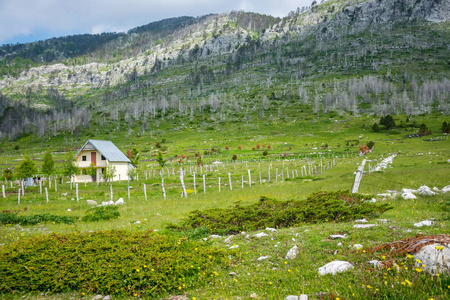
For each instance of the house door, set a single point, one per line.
(94, 158)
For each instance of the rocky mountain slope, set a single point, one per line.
(399, 47)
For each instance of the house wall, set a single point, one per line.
(121, 172)
(84, 164)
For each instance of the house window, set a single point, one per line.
(84, 158)
(103, 158)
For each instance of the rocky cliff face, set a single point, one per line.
(327, 21)
(355, 18)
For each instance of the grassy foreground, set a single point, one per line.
(241, 274)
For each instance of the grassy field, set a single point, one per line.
(418, 162)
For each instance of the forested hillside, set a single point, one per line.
(339, 57)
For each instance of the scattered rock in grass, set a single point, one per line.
(424, 223)
(91, 202)
(408, 196)
(215, 236)
(357, 246)
(64, 194)
(338, 236)
(228, 239)
(73, 199)
(260, 235)
(292, 253)
(108, 297)
(262, 257)
(435, 257)
(253, 295)
(106, 203)
(291, 297)
(425, 191)
(361, 221)
(234, 247)
(385, 195)
(339, 244)
(364, 225)
(382, 220)
(19, 228)
(375, 263)
(436, 189)
(97, 297)
(178, 297)
(243, 233)
(120, 202)
(334, 267)
(303, 297)
(232, 273)
(271, 229)
(69, 209)
(373, 200)
(137, 222)
(446, 189)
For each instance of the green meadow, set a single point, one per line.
(326, 146)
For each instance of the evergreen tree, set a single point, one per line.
(446, 127)
(27, 168)
(161, 160)
(48, 167)
(388, 122)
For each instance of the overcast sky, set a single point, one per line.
(31, 20)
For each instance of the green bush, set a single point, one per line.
(142, 264)
(14, 218)
(101, 213)
(319, 207)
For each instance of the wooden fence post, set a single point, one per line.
(204, 185)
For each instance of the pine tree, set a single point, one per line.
(48, 166)
(27, 168)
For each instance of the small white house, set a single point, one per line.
(101, 154)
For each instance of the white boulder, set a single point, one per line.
(424, 223)
(364, 225)
(435, 257)
(425, 191)
(446, 189)
(408, 196)
(271, 229)
(292, 253)
(91, 202)
(334, 267)
(361, 221)
(338, 236)
(358, 246)
(120, 202)
(260, 235)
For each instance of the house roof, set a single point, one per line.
(107, 149)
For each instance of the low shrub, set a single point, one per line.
(101, 213)
(319, 207)
(14, 218)
(118, 262)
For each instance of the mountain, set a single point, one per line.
(378, 56)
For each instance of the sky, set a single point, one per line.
(23, 21)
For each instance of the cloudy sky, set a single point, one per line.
(30, 20)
